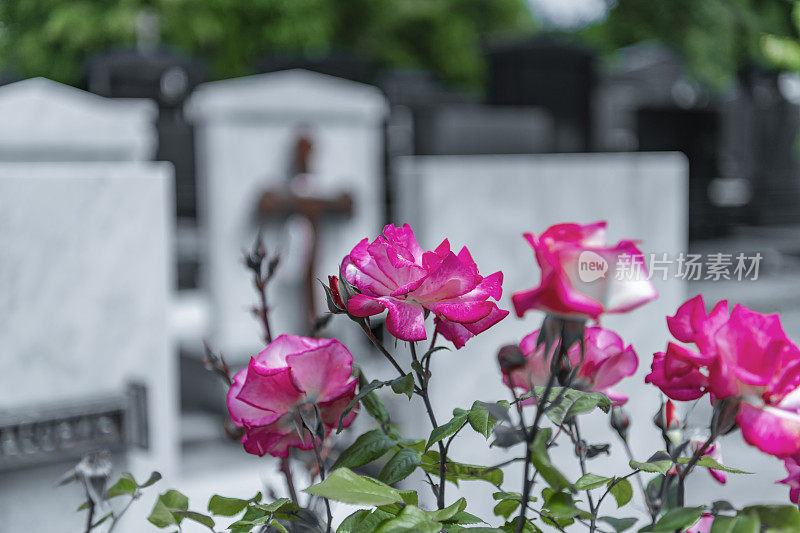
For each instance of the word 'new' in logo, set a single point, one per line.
(591, 266)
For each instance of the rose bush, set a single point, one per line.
(297, 394)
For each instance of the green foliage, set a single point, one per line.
(222, 506)
(590, 481)
(346, 486)
(166, 511)
(456, 472)
(621, 490)
(678, 518)
(368, 447)
(54, 38)
(716, 37)
(449, 428)
(541, 460)
(572, 402)
(400, 466)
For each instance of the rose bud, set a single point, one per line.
(334, 297)
(620, 421)
(510, 358)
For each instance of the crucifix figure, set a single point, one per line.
(296, 199)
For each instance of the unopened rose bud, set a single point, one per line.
(666, 419)
(510, 358)
(333, 283)
(620, 421)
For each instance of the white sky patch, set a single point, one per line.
(569, 13)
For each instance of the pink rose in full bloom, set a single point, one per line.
(607, 361)
(792, 480)
(291, 374)
(394, 273)
(740, 354)
(703, 525)
(582, 276)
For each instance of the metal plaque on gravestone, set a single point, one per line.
(557, 76)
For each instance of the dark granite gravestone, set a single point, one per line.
(543, 72)
(168, 79)
(695, 132)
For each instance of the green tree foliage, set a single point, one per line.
(715, 37)
(54, 38)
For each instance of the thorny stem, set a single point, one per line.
(116, 517)
(423, 392)
(693, 461)
(286, 470)
(321, 466)
(90, 518)
(529, 439)
(581, 453)
(629, 453)
(380, 347)
(255, 262)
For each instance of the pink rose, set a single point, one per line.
(291, 374)
(742, 354)
(607, 361)
(393, 273)
(792, 480)
(583, 276)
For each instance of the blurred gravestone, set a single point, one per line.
(47, 121)
(637, 76)
(84, 294)
(546, 73)
(248, 133)
(167, 79)
(336, 64)
(490, 202)
(761, 123)
(695, 132)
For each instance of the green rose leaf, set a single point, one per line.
(404, 385)
(707, 461)
(197, 517)
(660, 466)
(785, 517)
(506, 508)
(449, 428)
(223, 506)
(461, 471)
(573, 402)
(481, 419)
(368, 447)
(621, 491)
(162, 514)
(678, 518)
(590, 481)
(448, 512)
(400, 466)
(363, 521)
(123, 486)
(619, 524)
(541, 460)
(411, 520)
(344, 485)
(368, 399)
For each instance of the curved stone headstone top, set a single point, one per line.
(44, 120)
(287, 94)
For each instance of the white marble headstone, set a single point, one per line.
(246, 134)
(85, 278)
(486, 203)
(43, 120)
